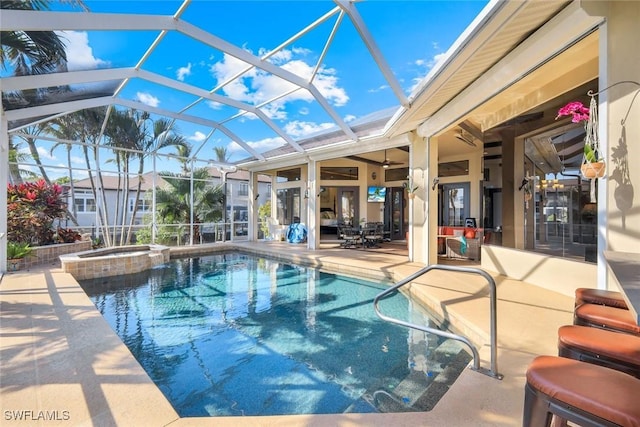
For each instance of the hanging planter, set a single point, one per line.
(411, 187)
(593, 164)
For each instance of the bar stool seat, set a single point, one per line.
(610, 349)
(602, 316)
(600, 296)
(585, 394)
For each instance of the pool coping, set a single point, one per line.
(59, 354)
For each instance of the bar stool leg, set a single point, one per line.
(536, 410)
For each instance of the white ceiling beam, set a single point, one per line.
(75, 77)
(241, 54)
(192, 119)
(65, 79)
(349, 7)
(46, 21)
(60, 107)
(22, 20)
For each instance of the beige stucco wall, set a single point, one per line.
(623, 64)
(539, 269)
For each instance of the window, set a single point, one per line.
(397, 174)
(143, 205)
(453, 168)
(289, 206)
(84, 201)
(289, 175)
(243, 189)
(339, 173)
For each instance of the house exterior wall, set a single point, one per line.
(237, 197)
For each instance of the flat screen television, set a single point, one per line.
(376, 194)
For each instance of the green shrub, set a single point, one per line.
(18, 250)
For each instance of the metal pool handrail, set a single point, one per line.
(493, 372)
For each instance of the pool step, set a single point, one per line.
(425, 385)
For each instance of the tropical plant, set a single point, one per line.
(410, 186)
(31, 209)
(264, 212)
(164, 134)
(66, 235)
(592, 160)
(18, 250)
(188, 198)
(28, 52)
(16, 156)
(222, 155)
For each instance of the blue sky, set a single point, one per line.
(411, 35)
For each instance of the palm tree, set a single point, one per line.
(222, 155)
(165, 134)
(174, 202)
(126, 131)
(16, 156)
(30, 136)
(31, 52)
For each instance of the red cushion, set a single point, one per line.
(469, 233)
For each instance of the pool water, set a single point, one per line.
(233, 334)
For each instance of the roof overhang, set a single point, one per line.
(506, 43)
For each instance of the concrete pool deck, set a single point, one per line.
(61, 364)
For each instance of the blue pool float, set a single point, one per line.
(297, 233)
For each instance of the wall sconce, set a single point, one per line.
(306, 193)
(435, 183)
(322, 190)
(257, 196)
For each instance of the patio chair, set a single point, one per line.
(350, 235)
(276, 231)
(372, 234)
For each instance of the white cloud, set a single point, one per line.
(304, 111)
(79, 53)
(378, 89)
(257, 86)
(197, 137)
(147, 99)
(349, 118)
(214, 105)
(424, 67)
(183, 72)
(78, 160)
(45, 154)
(301, 129)
(260, 145)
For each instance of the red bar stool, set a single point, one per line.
(602, 316)
(600, 296)
(585, 394)
(598, 346)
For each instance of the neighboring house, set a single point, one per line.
(86, 205)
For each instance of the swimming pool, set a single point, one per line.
(234, 334)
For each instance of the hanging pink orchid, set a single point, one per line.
(577, 110)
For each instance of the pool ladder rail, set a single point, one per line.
(493, 371)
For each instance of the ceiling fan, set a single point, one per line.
(386, 163)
